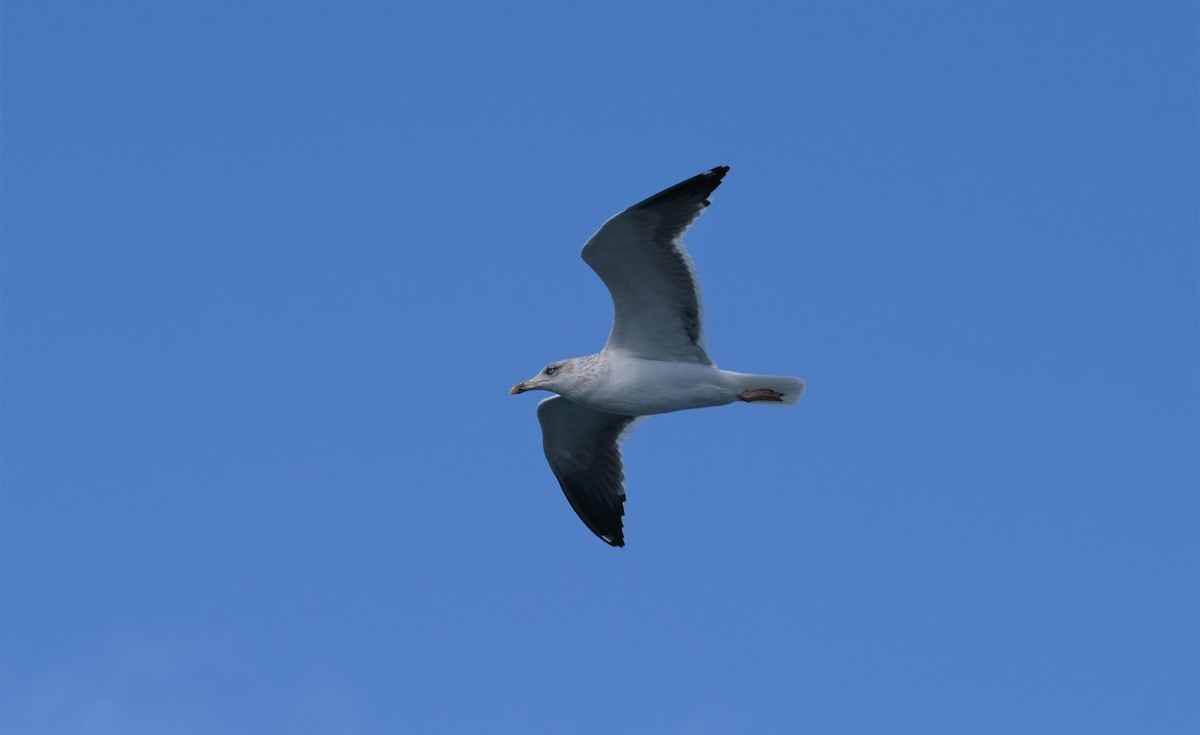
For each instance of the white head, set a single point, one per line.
(557, 377)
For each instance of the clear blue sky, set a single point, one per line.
(269, 270)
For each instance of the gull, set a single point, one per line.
(654, 362)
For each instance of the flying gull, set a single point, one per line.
(654, 362)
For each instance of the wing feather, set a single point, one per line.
(639, 254)
(583, 449)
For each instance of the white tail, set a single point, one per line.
(769, 390)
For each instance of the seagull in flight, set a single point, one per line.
(654, 362)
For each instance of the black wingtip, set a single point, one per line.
(697, 188)
(617, 542)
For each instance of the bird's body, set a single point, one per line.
(639, 387)
(635, 386)
(655, 360)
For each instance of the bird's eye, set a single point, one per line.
(550, 369)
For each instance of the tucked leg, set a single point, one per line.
(750, 395)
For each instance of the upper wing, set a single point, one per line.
(583, 449)
(639, 255)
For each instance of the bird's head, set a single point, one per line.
(555, 377)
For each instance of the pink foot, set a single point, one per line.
(750, 395)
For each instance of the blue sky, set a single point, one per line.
(269, 270)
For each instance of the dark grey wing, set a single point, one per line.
(639, 255)
(583, 449)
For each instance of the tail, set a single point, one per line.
(771, 390)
